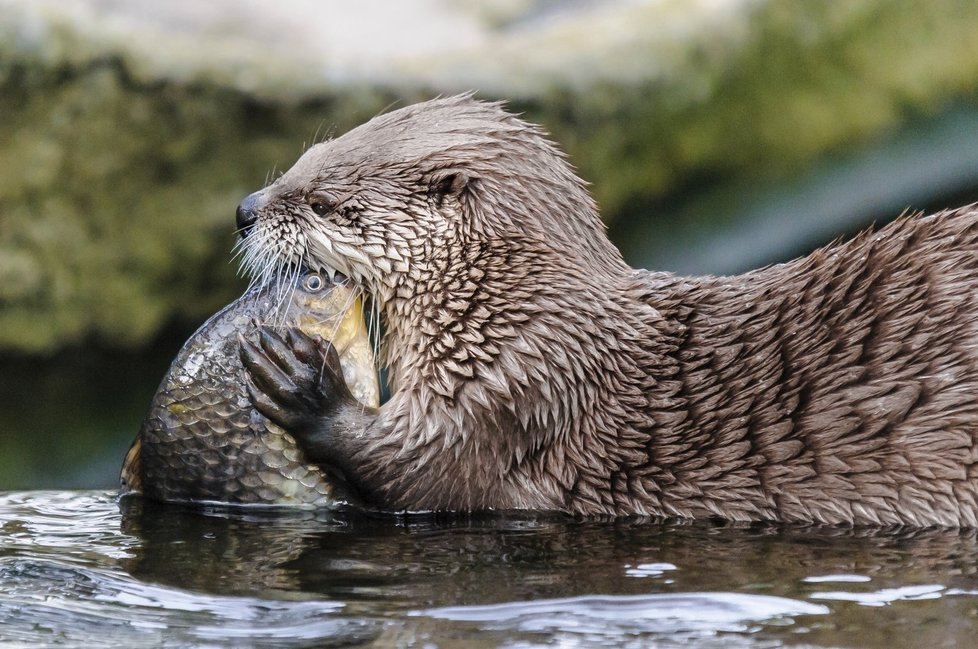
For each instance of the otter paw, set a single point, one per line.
(294, 380)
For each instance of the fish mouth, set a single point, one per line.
(365, 299)
(365, 312)
(362, 316)
(275, 261)
(338, 310)
(350, 332)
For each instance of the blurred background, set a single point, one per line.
(718, 135)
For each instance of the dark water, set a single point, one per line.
(78, 570)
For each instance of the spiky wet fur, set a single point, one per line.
(534, 369)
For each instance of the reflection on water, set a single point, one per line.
(611, 617)
(76, 569)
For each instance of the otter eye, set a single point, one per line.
(321, 209)
(313, 282)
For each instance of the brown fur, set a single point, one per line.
(534, 369)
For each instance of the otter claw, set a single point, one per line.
(270, 408)
(283, 355)
(294, 379)
(292, 402)
(304, 346)
(267, 375)
(315, 352)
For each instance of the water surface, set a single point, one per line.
(78, 569)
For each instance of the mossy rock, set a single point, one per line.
(117, 189)
(117, 200)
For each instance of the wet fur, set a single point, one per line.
(534, 369)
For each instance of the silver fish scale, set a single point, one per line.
(202, 439)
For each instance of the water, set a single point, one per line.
(77, 569)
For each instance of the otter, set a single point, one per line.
(532, 368)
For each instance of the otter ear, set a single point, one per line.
(449, 183)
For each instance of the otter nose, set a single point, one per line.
(247, 214)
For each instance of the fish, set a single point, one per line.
(204, 442)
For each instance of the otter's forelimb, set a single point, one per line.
(296, 381)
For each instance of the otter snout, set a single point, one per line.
(247, 213)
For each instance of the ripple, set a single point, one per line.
(884, 596)
(87, 607)
(77, 571)
(613, 615)
(80, 524)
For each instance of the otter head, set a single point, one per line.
(434, 210)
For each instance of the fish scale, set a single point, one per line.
(203, 441)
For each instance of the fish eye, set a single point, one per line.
(313, 282)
